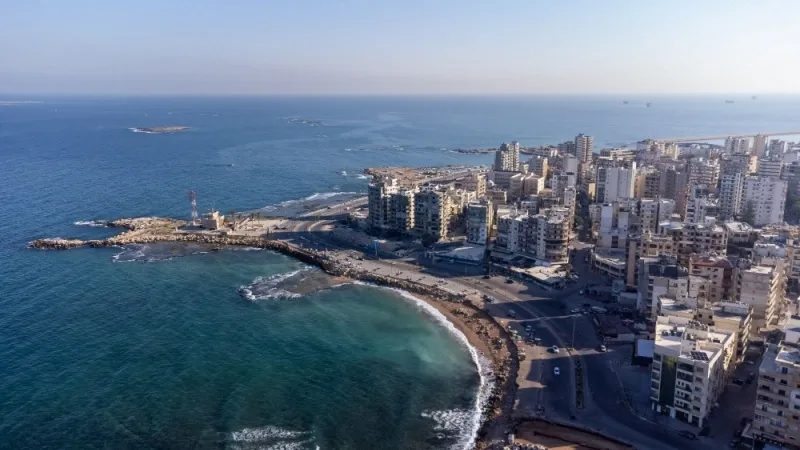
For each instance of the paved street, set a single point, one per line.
(548, 314)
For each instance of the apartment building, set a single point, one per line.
(539, 166)
(731, 189)
(764, 200)
(703, 171)
(732, 317)
(476, 183)
(432, 213)
(480, 216)
(690, 238)
(691, 364)
(506, 159)
(401, 211)
(763, 288)
(737, 145)
(738, 233)
(648, 183)
(718, 270)
(777, 410)
(584, 147)
(770, 167)
(614, 183)
(378, 195)
(659, 276)
(544, 236)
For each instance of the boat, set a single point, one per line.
(624, 102)
(728, 101)
(648, 104)
(753, 97)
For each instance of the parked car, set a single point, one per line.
(556, 371)
(603, 348)
(554, 349)
(509, 281)
(687, 434)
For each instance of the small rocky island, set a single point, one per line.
(154, 130)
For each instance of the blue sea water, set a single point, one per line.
(116, 348)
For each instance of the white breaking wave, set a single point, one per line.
(264, 288)
(363, 177)
(91, 223)
(463, 424)
(271, 438)
(344, 173)
(139, 130)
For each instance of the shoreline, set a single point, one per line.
(482, 332)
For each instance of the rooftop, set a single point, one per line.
(738, 227)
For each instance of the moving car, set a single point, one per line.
(554, 349)
(509, 281)
(602, 348)
(556, 371)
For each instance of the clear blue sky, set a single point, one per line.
(394, 46)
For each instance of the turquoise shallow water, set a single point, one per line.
(100, 353)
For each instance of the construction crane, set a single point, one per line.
(193, 198)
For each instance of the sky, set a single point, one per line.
(311, 47)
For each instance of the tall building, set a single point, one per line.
(584, 147)
(506, 158)
(432, 213)
(378, 195)
(777, 409)
(703, 172)
(401, 211)
(476, 182)
(718, 270)
(691, 366)
(737, 145)
(544, 236)
(763, 200)
(539, 166)
(763, 288)
(614, 183)
(659, 276)
(567, 148)
(648, 183)
(731, 189)
(776, 147)
(770, 167)
(760, 145)
(480, 216)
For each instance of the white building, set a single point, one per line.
(378, 195)
(760, 145)
(506, 159)
(691, 365)
(765, 198)
(763, 288)
(731, 187)
(768, 167)
(737, 145)
(614, 183)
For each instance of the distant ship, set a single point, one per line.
(624, 102)
(648, 104)
(753, 97)
(728, 101)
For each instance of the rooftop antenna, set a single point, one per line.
(193, 198)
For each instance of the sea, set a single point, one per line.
(177, 347)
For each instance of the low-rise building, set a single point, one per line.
(738, 233)
(213, 220)
(730, 317)
(691, 364)
(610, 262)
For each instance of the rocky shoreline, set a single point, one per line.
(494, 341)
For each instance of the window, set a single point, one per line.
(784, 370)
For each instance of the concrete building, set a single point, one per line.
(498, 197)
(759, 145)
(538, 165)
(763, 288)
(674, 182)
(567, 148)
(480, 217)
(561, 181)
(737, 145)
(691, 365)
(695, 238)
(401, 211)
(731, 317)
(532, 184)
(506, 159)
(648, 183)
(731, 189)
(776, 147)
(544, 236)
(501, 179)
(659, 276)
(769, 167)
(614, 183)
(718, 270)
(738, 233)
(584, 147)
(777, 410)
(213, 220)
(476, 183)
(569, 164)
(764, 199)
(432, 213)
(378, 195)
(703, 171)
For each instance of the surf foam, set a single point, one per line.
(265, 288)
(464, 424)
(91, 223)
(271, 438)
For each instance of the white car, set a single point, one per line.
(554, 349)
(576, 311)
(556, 371)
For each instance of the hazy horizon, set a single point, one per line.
(356, 48)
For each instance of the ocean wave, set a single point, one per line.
(271, 438)
(344, 173)
(91, 223)
(364, 177)
(266, 288)
(157, 252)
(461, 425)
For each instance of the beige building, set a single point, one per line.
(718, 270)
(730, 317)
(692, 238)
(401, 211)
(763, 288)
(213, 220)
(378, 194)
(777, 410)
(544, 236)
(476, 182)
(691, 365)
(432, 213)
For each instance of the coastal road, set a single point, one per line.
(548, 313)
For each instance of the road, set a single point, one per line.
(548, 313)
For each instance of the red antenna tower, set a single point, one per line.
(193, 198)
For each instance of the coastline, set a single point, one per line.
(483, 333)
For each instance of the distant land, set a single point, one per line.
(155, 130)
(18, 102)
